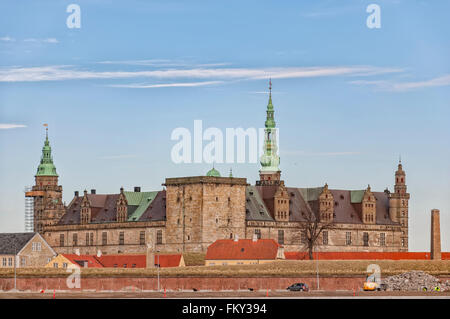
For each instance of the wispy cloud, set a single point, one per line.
(406, 86)
(304, 153)
(10, 126)
(113, 157)
(46, 40)
(164, 85)
(7, 39)
(62, 72)
(162, 63)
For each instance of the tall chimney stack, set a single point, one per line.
(435, 235)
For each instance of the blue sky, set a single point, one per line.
(348, 99)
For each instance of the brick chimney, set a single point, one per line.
(435, 235)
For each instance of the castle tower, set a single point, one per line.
(270, 172)
(398, 205)
(47, 194)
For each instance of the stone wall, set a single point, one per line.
(211, 283)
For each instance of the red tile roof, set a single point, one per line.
(80, 260)
(168, 260)
(228, 249)
(123, 261)
(139, 261)
(364, 255)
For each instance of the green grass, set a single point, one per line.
(287, 268)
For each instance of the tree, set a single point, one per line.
(310, 230)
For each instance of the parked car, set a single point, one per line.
(300, 286)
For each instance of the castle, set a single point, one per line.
(193, 212)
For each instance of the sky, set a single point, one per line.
(349, 100)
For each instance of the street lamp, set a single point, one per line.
(158, 269)
(15, 272)
(317, 268)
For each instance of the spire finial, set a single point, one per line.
(400, 159)
(231, 172)
(270, 86)
(46, 131)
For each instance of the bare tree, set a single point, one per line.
(310, 230)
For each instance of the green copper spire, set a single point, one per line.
(270, 160)
(46, 167)
(270, 122)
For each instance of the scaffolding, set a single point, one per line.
(29, 211)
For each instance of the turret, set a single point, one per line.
(398, 204)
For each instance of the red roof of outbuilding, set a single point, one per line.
(361, 255)
(80, 260)
(123, 261)
(229, 249)
(168, 260)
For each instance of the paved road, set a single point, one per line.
(230, 294)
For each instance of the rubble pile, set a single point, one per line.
(414, 281)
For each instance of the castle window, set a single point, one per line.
(325, 237)
(366, 239)
(348, 238)
(403, 242)
(258, 233)
(121, 238)
(75, 239)
(61, 240)
(159, 237)
(281, 237)
(382, 239)
(142, 238)
(104, 238)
